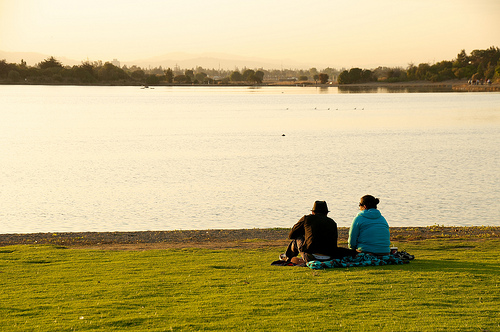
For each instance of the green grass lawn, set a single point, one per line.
(452, 285)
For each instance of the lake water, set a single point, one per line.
(127, 159)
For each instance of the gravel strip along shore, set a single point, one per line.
(225, 238)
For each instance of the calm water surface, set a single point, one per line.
(126, 159)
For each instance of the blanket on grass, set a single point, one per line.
(360, 259)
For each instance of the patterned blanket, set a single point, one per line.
(360, 259)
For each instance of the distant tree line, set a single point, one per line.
(51, 70)
(479, 65)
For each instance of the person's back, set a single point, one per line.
(314, 237)
(369, 231)
(319, 232)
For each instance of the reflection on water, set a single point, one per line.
(393, 89)
(125, 158)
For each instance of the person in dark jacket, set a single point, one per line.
(314, 237)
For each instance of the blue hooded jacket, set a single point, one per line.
(370, 232)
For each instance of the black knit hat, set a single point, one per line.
(320, 207)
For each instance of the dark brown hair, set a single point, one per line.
(369, 201)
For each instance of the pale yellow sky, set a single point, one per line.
(355, 33)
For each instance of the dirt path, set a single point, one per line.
(225, 239)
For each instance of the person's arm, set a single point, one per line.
(353, 235)
(298, 229)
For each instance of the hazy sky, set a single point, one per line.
(347, 33)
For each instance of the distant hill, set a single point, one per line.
(182, 60)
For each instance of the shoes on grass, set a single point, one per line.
(404, 255)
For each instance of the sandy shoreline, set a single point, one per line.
(225, 239)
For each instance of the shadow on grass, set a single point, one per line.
(223, 267)
(447, 265)
(38, 261)
(126, 322)
(428, 265)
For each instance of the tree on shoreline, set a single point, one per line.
(169, 75)
(356, 75)
(50, 63)
(236, 76)
(323, 78)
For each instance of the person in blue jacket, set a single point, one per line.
(369, 231)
